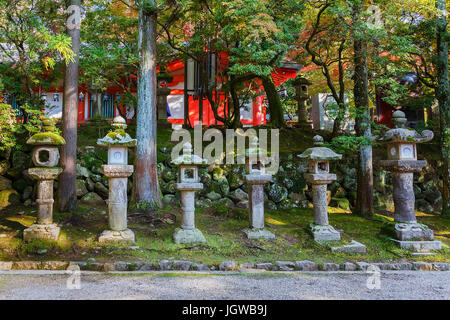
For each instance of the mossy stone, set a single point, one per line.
(8, 197)
(46, 138)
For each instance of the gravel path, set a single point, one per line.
(323, 285)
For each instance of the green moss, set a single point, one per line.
(46, 138)
(8, 197)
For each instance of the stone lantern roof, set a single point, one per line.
(401, 134)
(48, 137)
(299, 80)
(188, 157)
(318, 152)
(118, 136)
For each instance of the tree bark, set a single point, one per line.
(442, 97)
(67, 193)
(364, 197)
(146, 180)
(275, 110)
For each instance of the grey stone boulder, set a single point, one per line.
(441, 266)
(121, 266)
(242, 204)
(297, 197)
(5, 183)
(422, 266)
(402, 266)
(270, 205)
(168, 199)
(27, 192)
(277, 193)
(213, 196)
(200, 267)
(238, 195)
(362, 265)
(247, 265)
(165, 265)
(96, 178)
(82, 171)
(182, 265)
(168, 175)
(286, 204)
(228, 266)
(330, 267)
(354, 247)
(226, 202)
(235, 181)
(285, 265)
(222, 186)
(147, 267)
(89, 184)
(348, 266)
(81, 188)
(203, 203)
(266, 266)
(424, 206)
(433, 198)
(101, 190)
(92, 199)
(306, 265)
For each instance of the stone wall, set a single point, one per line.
(222, 184)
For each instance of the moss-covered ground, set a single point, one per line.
(222, 229)
(221, 226)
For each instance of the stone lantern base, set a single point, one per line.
(109, 236)
(188, 236)
(416, 237)
(41, 231)
(420, 246)
(413, 231)
(324, 233)
(258, 234)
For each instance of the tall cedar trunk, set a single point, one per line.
(146, 180)
(276, 113)
(442, 96)
(364, 198)
(67, 193)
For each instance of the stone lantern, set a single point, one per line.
(256, 177)
(301, 95)
(117, 170)
(402, 163)
(319, 176)
(189, 182)
(46, 158)
(163, 78)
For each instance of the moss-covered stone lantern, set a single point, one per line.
(46, 158)
(117, 170)
(301, 85)
(319, 177)
(189, 182)
(402, 163)
(256, 177)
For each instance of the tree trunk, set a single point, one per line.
(275, 110)
(442, 97)
(67, 193)
(146, 180)
(364, 197)
(337, 123)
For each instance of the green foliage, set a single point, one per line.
(348, 144)
(31, 46)
(13, 131)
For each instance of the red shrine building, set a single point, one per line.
(183, 77)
